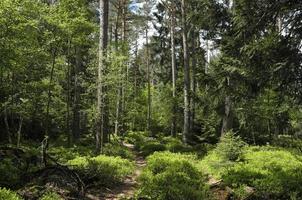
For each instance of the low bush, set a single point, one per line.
(172, 176)
(103, 170)
(6, 194)
(175, 145)
(116, 149)
(273, 173)
(150, 147)
(202, 149)
(9, 172)
(51, 196)
(136, 138)
(63, 154)
(230, 147)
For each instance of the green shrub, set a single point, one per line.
(63, 154)
(171, 176)
(175, 145)
(136, 138)
(6, 194)
(9, 172)
(202, 149)
(230, 147)
(104, 170)
(152, 146)
(275, 174)
(115, 149)
(214, 165)
(51, 196)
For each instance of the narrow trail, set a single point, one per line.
(126, 189)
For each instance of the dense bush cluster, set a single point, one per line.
(6, 194)
(103, 170)
(273, 173)
(172, 176)
(116, 149)
(148, 146)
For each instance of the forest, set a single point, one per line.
(151, 99)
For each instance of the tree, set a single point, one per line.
(102, 126)
(186, 64)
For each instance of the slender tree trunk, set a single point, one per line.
(149, 83)
(76, 98)
(19, 132)
(227, 120)
(186, 130)
(49, 92)
(9, 137)
(119, 88)
(124, 69)
(173, 56)
(193, 81)
(68, 75)
(103, 41)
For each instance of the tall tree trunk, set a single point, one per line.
(186, 129)
(103, 41)
(19, 132)
(9, 137)
(119, 88)
(173, 56)
(76, 98)
(49, 91)
(124, 68)
(193, 80)
(68, 75)
(149, 82)
(227, 121)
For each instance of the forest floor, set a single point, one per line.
(127, 189)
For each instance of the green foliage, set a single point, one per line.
(175, 145)
(136, 138)
(172, 176)
(6, 194)
(51, 196)
(230, 147)
(273, 173)
(9, 172)
(116, 149)
(64, 154)
(150, 147)
(104, 170)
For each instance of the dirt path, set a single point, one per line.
(127, 188)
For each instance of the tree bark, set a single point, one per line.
(19, 132)
(186, 129)
(76, 98)
(69, 135)
(227, 121)
(103, 41)
(9, 137)
(173, 57)
(193, 80)
(49, 91)
(148, 82)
